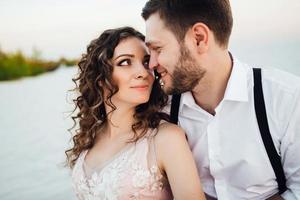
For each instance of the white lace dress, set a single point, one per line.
(131, 174)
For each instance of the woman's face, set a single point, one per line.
(131, 73)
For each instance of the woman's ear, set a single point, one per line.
(200, 33)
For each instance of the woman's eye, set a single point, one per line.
(125, 62)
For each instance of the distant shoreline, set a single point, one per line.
(15, 65)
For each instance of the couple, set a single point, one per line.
(241, 125)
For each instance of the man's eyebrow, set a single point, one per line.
(128, 55)
(150, 43)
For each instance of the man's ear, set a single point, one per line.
(200, 33)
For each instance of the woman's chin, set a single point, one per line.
(139, 101)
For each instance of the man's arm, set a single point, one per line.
(290, 152)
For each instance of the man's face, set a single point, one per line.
(178, 69)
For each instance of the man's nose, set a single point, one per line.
(141, 71)
(153, 61)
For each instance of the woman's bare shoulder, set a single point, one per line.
(169, 134)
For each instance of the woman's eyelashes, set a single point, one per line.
(124, 62)
(129, 62)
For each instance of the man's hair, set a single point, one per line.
(180, 15)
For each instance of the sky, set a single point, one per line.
(65, 27)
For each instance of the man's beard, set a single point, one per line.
(186, 74)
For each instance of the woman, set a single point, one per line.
(124, 148)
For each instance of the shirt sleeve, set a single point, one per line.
(290, 152)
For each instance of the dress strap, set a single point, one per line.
(152, 153)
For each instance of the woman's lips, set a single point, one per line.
(140, 87)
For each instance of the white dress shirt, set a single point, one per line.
(228, 148)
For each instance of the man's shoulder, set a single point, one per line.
(282, 94)
(274, 77)
(281, 81)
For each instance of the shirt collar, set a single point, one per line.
(188, 99)
(237, 88)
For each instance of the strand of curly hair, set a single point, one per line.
(95, 73)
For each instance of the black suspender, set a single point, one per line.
(262, 121)
(175, 108)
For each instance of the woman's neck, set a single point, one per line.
(119, 121)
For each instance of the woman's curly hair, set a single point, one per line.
(95, 74)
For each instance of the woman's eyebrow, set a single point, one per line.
(128, 55)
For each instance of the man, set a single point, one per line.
(188, 43)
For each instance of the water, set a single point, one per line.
(34, 136)
(281, 54)
(33, 130)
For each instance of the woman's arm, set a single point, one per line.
(175, 158)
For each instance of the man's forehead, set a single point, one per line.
(154, 20)
(156, 32)
(154, 24)
(154, 36)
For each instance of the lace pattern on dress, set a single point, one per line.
(133, 174)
